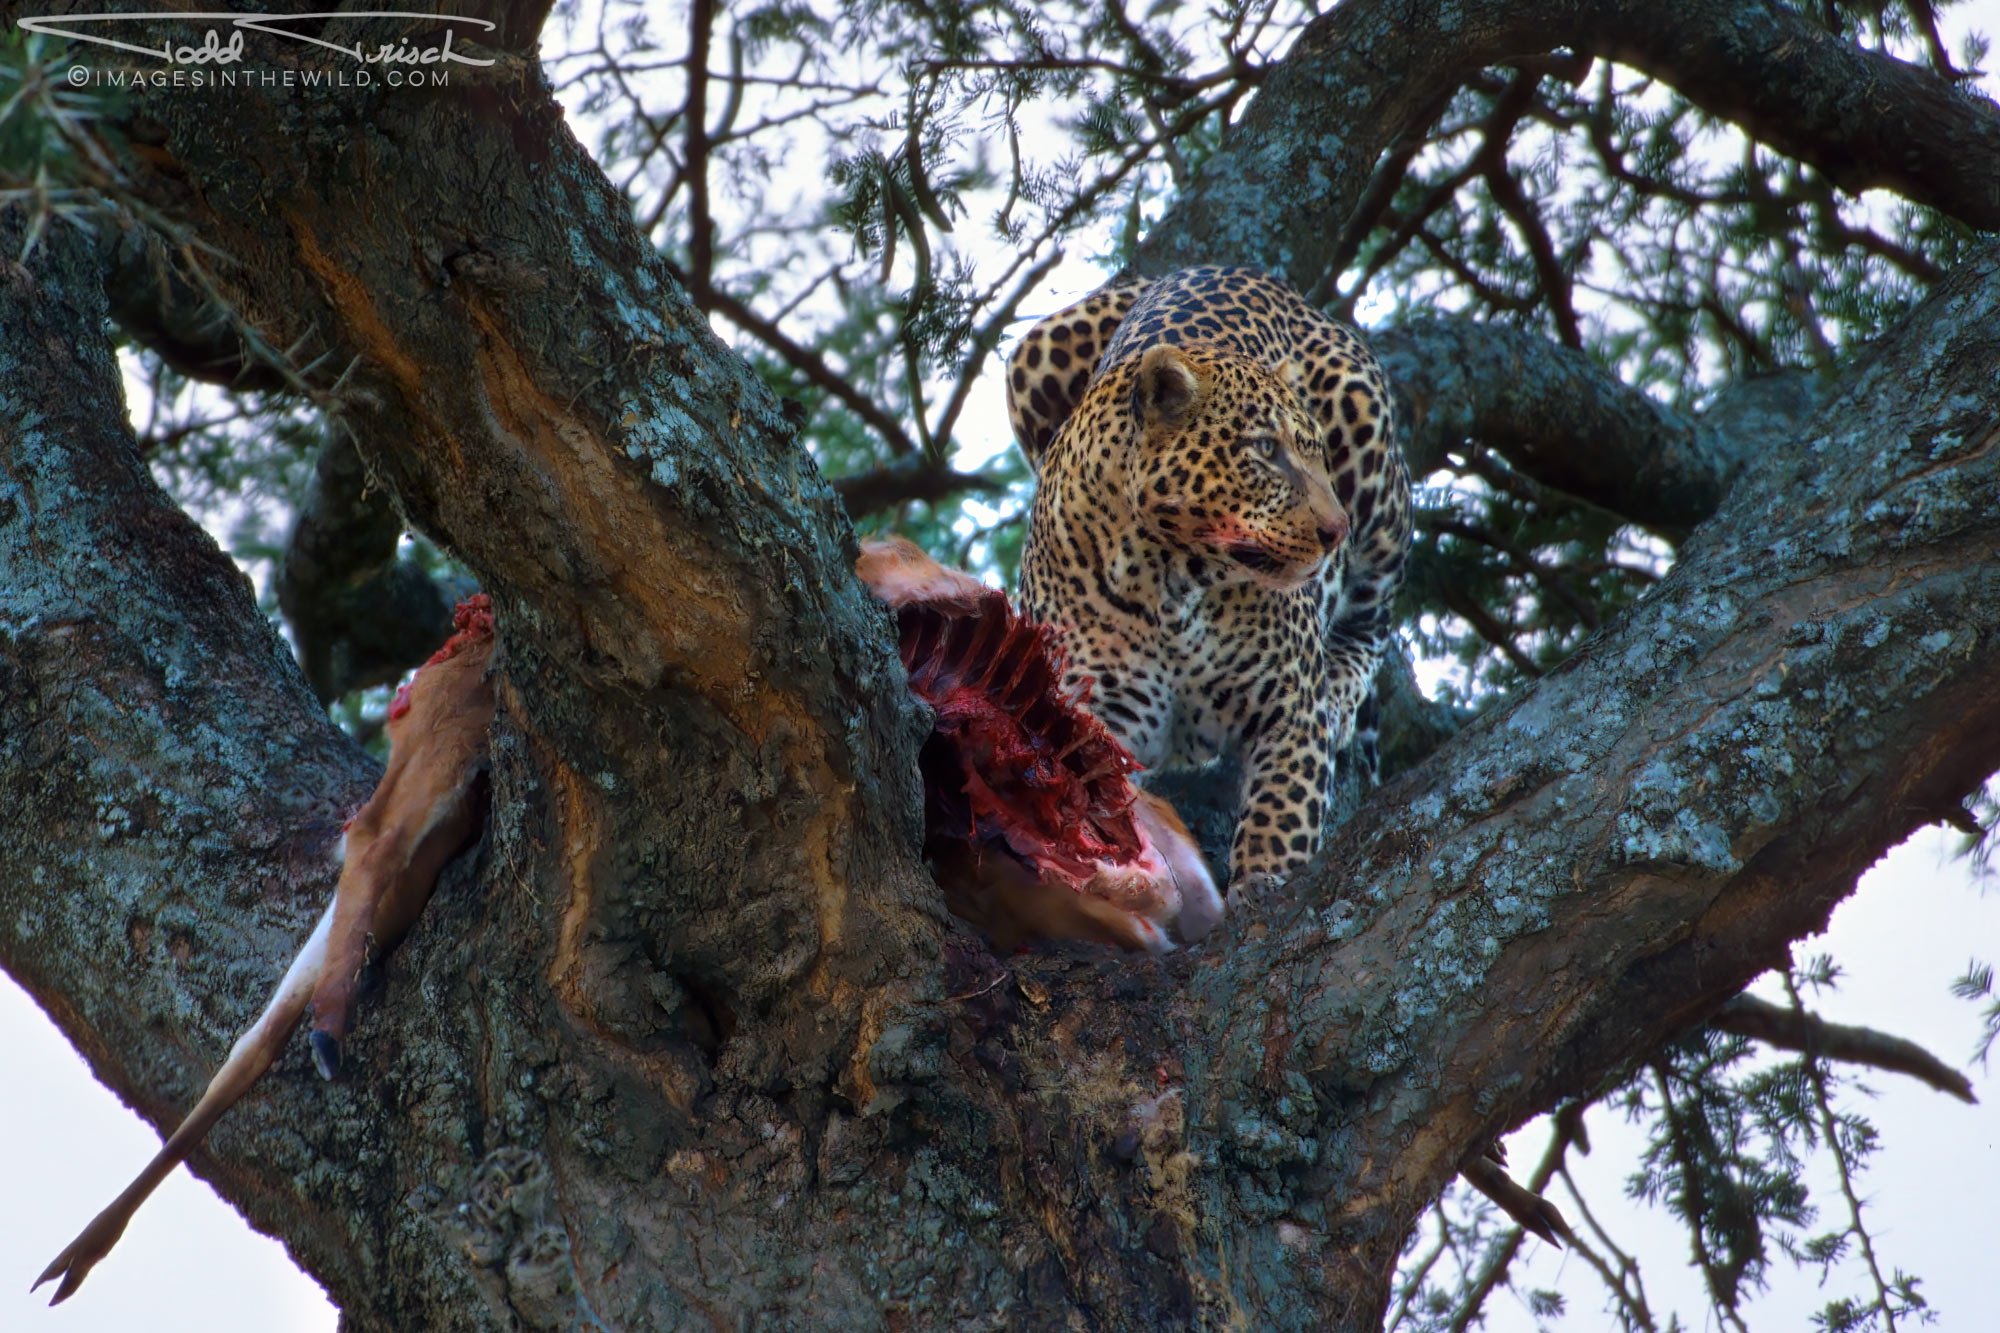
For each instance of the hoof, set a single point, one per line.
(326, 1054)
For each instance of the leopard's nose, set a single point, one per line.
(1332, 532)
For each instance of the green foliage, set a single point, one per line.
(1730, 1136)
(940, 156)
(1720, 1155)
(364, 715)
(1739, 1141)
(1976, 984)
(1684, 253)
(1980, 843)
(1605, 211)
(1509, 576)
(960, 145)
(239, 463)
(55, 141)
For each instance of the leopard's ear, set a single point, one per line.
(1166, 389)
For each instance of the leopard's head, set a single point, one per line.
(1227, 466)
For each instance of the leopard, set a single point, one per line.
(1219, 528)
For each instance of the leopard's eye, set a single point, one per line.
(1265, 446)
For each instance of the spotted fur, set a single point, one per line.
(1220, 528)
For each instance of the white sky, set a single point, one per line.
(188, 1262)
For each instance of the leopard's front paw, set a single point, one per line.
(1257, 887)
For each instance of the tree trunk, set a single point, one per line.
(691, 1040)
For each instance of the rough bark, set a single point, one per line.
(1565, 885)
(743, 815)
(154, 303)
(691, 1042)
(173, 791)
(540, 396)
(1558, 417)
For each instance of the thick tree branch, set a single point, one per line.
(155, 737)
(1799, 1030)
(866, 493)
(1820, 673)
(1305, 146)
(701, 1049)
(1558, 417)
(157, 307)
(360, 616)
(706, 767)
(521, 24)
(663, 539)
